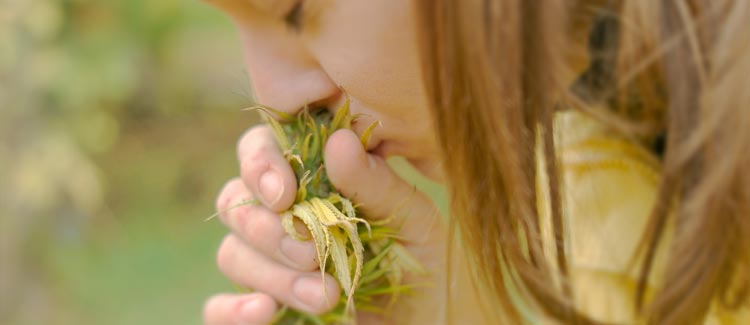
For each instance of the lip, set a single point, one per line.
(373, 144)
(382, 149)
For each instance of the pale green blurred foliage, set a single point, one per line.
(118, 120)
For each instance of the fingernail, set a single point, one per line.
(271, 187)
(249, 309)
(309, 291)
(301, 254)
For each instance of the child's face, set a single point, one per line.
(366, 47)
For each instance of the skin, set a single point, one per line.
(369, 49)
(366, 48)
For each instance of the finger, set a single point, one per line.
(300, 290)
(264, 170)
(261, 228)
(370, 182)
(230, 309)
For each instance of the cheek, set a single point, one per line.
(369, 49)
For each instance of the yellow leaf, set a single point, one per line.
(367, 134)
(278, 131)
(340, 261)
(329, 207)
(325, 215)
(320, 233)
(302, 188)
(359, 257)
(284, 117)
(287, 221)
(341, 114)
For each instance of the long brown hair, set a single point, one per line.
(495, 72)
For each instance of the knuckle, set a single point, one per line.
(259, 226)
(228, 194)
(237, 218)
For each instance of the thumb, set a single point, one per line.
(368, 181)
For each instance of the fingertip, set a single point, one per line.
(333, 292)
(253, 308)
(265, 171)
(311, 296)
(344, 156)
(365, 178)
(344, 141)
(277, 186)
(259, 309)
(300, 254)
(233, 192)
(270, 179)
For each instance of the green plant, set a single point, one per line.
(364, 256)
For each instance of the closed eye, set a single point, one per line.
(293, 18)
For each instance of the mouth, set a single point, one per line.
(376, 144)
(380, 148)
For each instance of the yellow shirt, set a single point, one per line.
(609, 188)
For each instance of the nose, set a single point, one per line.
(283, 74)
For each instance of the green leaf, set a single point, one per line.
(375, 261)
(406, 260)
(306, 147)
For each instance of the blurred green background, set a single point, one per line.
(118, 120)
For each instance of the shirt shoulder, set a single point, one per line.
(609, 187)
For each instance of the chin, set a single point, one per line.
(429, 168)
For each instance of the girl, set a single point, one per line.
(593, 151)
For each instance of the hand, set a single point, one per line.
(258, 254)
